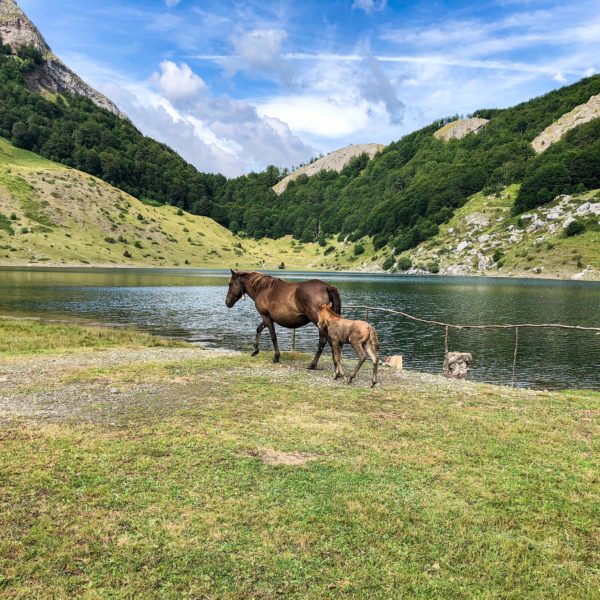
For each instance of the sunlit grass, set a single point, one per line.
(417, 489)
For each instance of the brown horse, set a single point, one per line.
(290, 305)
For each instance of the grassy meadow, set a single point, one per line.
(133, 471)
(53, 215)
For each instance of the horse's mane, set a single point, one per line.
(260, 281)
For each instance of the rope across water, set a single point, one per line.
(447, 326)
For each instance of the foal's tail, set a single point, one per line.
(334, 298)
(374, 339)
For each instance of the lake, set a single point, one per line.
(189, 304)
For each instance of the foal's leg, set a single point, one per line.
(271, 326)
(375, 358)
(258, 332)
(337, 360)
(361, 358)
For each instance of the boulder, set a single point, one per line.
(394, 361)
(458, 364)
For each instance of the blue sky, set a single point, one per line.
(235, 86)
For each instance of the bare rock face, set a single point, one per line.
(334, 161)
(458, 129)
(52, 75)
(578, 116)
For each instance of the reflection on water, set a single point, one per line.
(189, 303)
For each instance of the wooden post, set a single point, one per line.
(446, 370)
(367, 315)
(515, 355)
(293, 340)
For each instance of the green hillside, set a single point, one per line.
(484, 238)
(53, 215)
(404, 194)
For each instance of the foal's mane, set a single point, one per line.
(260, 281)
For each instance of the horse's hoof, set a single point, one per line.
(276, 359)
(348, 380)
(312, 367)
(254, 353)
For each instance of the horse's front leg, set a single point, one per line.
(259, 330)
(271, 326)
(323, 339)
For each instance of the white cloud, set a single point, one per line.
(259, 53)
(369, 6)
(171, 3)
(178, 82)
(319, 116)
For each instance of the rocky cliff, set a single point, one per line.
(52, 75)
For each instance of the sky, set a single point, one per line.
(234, 86)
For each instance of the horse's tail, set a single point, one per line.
(334, 298)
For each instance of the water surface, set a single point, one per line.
(189, 304)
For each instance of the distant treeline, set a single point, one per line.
(401, 196)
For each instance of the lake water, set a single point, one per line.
(190, 304)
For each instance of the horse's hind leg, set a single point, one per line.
(259, 330)
(374, 355)
(361, 359)
(269, 323)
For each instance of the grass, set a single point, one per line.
(35, 337)
(419, 489)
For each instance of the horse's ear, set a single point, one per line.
(232, 271)
(330, 305)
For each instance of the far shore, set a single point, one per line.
(590, 275)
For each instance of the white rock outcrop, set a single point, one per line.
(334, 161)
(578, 116)
(458, 129)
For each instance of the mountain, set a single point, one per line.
(359, 209)
(51, 74)
(334, 161)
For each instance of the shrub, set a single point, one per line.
(404, 264)
(140, 217)
(138, 244)
(179, 212)
(328, 250)
(574, 228)
(110, 240)
(388, 263)
(359, 249)
(497, 256)
(127, 254)
(433, 267)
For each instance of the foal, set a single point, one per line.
(360, 334)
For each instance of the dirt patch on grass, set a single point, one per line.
(277, 457)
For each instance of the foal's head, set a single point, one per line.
(236, 289)
(324, 313)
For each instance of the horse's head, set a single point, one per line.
(235, 291)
